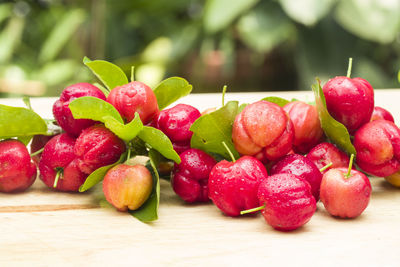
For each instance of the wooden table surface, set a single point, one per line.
(41, 227)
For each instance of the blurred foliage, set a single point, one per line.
(251, 45)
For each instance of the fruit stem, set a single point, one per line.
(37, 152)
(27, 102)
(229, 151)
(252, 210)
(349, 67)
(129, 154)
(132, 73)
(325, 167)
(350, 166)
(223, 95)
(58, 176)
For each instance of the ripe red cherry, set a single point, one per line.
(349, 101)
(17, 171)
(232, 186)
(134, 97)
(381, 114)
(63, 114)
(326, 153)
(189, 179)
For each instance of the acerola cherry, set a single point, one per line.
(301, 167)
(63, 114)
(175, 122)
(134, 97)
(189, 179)
(381, 114)
(127, 187)
(96, 147)
(288, 201)
(378, 148)
(38, 142)
(307, 127)
(232, 186)
(264, 130)
(349, 101)
(58, 164)
(326, 153)
(17, 171)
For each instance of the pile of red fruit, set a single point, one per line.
(282, 157)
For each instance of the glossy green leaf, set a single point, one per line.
(98, 175)
(160, 142)
(277, 100)
(124, 131)
(20, 122)
(210, 130)
(109, 74)
(334, 130)
(102, 88)
(170, 90)
(307, 12)
(148, 212)
(89, 107)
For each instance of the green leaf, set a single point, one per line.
(89, 107)
(375, 20)
(277, 100)
(61, 33)
(218, 14)
(124, 131)
(210, 130)
(102, 88)
(98, 175)
(333, 129)
(20, 122)
(109, 74)
(307, 12)
(148, 212)
(160, 142)
(170, 90)
(398, 76)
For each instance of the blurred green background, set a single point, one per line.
(250, 45)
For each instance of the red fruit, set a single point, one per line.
(326, 153)
(345, 197)
(349, 101)
(378, 148)
(175, 122)
(58, 156)
(134, 97)
(381, 114)
(307, 127)
(127, 187)
(38, 142)
(301, 167)
(63, 114)
(97, 147)
(288, 201)
(263, 128)
(17, 171)
(189, 179)
(232, 186)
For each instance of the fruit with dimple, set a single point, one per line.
(301, 167)
(288, 201)
(307, 127)
(263, 129)
(326, 153)
(232, 186)
(189, 179)
(378, 148)
(17, 171)
(62, 112)
(381, 114)
(134, 97)
(349, 101)
(127, 187)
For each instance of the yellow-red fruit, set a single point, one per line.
(127, 187)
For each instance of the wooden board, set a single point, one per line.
(41, 227)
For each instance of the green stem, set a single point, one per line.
(229, 151)
(132, 73)
(252, 210)
(325, 167)
(58, 176)
(27, 102)
(350, 166)
(349, 67)
(37, 152)
(223, 95)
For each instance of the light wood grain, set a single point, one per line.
(45, 228)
